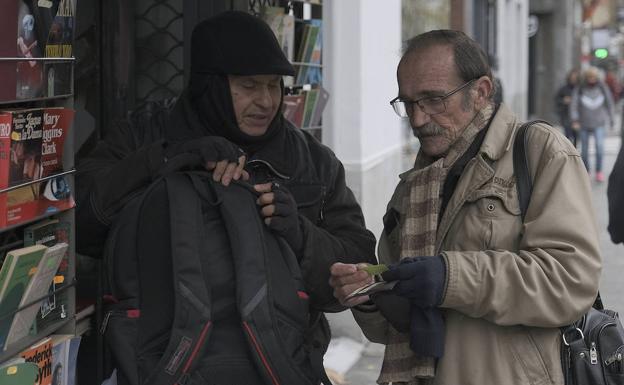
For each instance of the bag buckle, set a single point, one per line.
(580, 333)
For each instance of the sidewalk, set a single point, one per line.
(358, 361)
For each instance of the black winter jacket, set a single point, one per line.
(123, 164)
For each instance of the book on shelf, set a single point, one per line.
(310, 102)
(64, 355)
(19, 373)
(35, 291)
(35, 29)
(306, 108)
(48, 233)
(26, 139)
(309, 50)
(319, 107)
(313, 73)
(293, 108)
(35, 147)
(59, 44)
(57, 122)
(41, 354)
(17, 269)
(283, 26)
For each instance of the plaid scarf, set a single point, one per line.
(420, 205)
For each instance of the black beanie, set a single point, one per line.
(237, 43)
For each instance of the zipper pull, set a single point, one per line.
(613, 358)
(593, 354)
(105, 322)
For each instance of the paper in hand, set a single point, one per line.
(372, 288)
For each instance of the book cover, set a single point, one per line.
(36, 289)
(321, 102)
(313, 74)
(29, 74)
(49, 233)
(283, 26)
(309, 106)
(293, 108)
(64, 355)
(6, 120)
(308, 46)
(59, 44)
(18, 268)
(24, 373)
(57, 122)
(26, 139)
(41, 354)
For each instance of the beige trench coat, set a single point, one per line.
(508, 293)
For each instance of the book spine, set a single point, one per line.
(5, 155)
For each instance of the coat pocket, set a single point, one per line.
(496, 211)
(528, 356)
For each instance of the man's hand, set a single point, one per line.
(421, 280)
(216, 154)
(345, 278)
(576, 125)
(279, 210)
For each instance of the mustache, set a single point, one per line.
(428, 129)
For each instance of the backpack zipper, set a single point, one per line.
(256, 345)
(187, 366)
(593, 352)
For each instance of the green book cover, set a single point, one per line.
(24, 373)
(23, 265)
(49, 233)
(310, 102)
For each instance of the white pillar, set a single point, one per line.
(362, 47)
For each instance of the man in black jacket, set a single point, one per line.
(229, 120)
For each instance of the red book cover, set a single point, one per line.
(26, 139)
(5, 151)
(56, 124)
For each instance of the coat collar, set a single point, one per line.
(499, 138)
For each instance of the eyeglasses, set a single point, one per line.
(431, 105)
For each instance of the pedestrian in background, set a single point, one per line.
(592, 112)
(563, 100)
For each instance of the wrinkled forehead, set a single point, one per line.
(428, 70)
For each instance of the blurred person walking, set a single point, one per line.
(592, 111)
(563, 100)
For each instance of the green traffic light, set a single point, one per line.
(601, 53)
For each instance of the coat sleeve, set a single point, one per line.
(341, 236)
(106, 179)
(553, 279)
(574, 111)
(615, 194)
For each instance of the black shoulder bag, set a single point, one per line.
(592, 348)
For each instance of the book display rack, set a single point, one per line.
(37, 254)
(298, 26)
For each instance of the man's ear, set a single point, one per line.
(483, 89)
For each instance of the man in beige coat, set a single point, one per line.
(481, 291)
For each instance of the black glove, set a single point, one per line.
(196, 152)
(285, 218)
(395, 309)
(421, 280)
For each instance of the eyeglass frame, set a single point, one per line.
(442, 98)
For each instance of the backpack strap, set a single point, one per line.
(524, 183)
(192, 295)
(251, 251)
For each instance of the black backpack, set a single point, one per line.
(201, 292)
(592, 348)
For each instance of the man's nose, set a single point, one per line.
(418, 117)
(264, 97)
